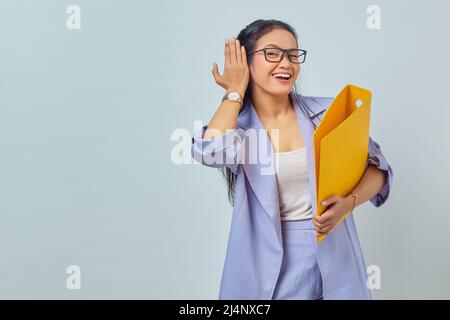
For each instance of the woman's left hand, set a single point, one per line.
(337, 207)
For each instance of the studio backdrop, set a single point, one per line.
(99, 195)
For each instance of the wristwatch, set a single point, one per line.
(233, 96)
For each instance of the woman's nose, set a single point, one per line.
(285, 59)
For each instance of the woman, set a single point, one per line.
(272, 251)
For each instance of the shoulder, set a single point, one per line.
(313, 104)
(318, 103)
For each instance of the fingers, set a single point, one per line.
(321, 234)
(238, 52)
(323, 229)
(244, 55)
(234, 52)
(317, 224)
(233, 58)
(227, 52)
(216, 74)
(320, 219)
(321, 226)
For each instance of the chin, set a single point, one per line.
(281, 91)
(275, 89)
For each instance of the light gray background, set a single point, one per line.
(86, 175)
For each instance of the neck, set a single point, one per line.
(269, 106)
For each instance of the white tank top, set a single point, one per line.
(293, 186)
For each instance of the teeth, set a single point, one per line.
(281, 75)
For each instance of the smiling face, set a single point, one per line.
(261, 70)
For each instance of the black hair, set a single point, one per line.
(248, 38)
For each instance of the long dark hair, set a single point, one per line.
(248, 38)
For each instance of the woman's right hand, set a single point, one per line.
(236, 72)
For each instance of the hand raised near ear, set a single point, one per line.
(236, 71)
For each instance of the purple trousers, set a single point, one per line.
(300, 277)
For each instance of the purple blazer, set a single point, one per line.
(254, 251)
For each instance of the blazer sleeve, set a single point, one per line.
(377, 159)
(219, 152)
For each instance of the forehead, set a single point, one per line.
(279, 37)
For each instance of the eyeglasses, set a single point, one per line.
(276, 54)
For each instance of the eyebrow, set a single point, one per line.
(274, 45)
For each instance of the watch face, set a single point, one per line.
(233, 96)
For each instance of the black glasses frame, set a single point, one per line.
(285, 53)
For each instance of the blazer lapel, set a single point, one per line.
(260, 173)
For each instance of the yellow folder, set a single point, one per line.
(341, 143)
